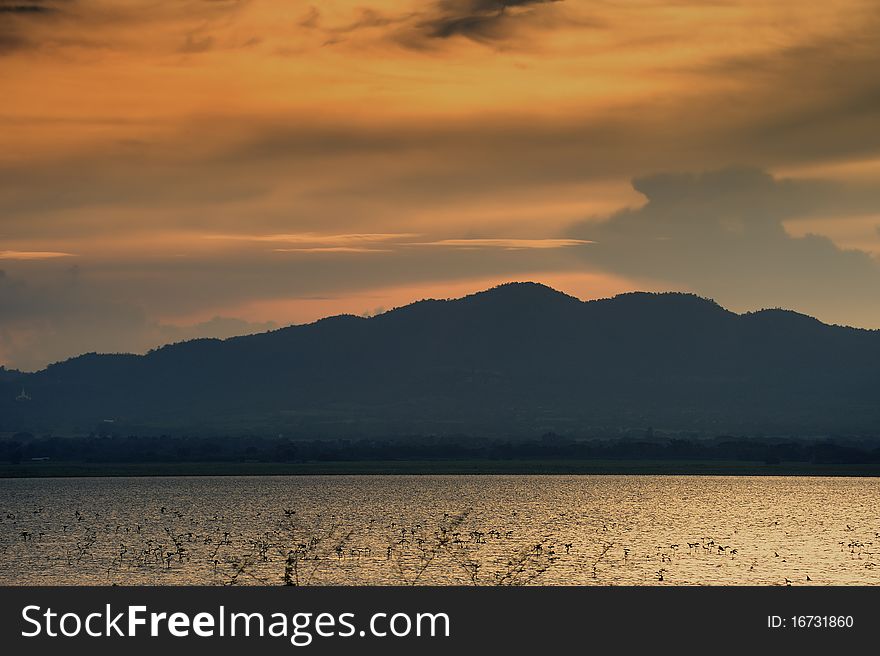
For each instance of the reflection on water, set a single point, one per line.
(393, 530)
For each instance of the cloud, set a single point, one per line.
(330, 249)
(195, 44)
(778, 107)
(31, 25)
(507, 244)
(366, 18)
(32, 255)
(317, 239)
(514, 244)
(312, 242)
(24, 9)
(482, 21)
(63, 315)
(479, 20)
(808, 97)
(16, 17)
(722, 233)
(311, 19)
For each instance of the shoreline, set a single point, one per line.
(434, 467)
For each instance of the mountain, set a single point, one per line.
(513, 360)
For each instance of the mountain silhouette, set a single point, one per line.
(513, 360)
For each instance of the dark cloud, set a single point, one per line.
(11, 42)
(479, 20)
(814, 98)
(47, 24)
(15, 18)
(311, 19)
(722, 234)
(368, 18)
(195, 44)
(23, 9)
(135, 175)
(31, 6)
(484, 21)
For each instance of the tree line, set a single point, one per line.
(23, 447)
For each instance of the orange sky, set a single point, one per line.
(164, 163)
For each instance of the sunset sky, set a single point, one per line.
(181, 168)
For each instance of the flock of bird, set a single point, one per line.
(171, 545)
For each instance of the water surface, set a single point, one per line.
(399, 530)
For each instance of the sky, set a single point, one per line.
(180, 168)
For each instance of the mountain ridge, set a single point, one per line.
(513, 359)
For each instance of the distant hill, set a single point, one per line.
(514, 360)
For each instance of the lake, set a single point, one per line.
(401, 530)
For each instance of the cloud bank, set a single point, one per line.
(723, 233)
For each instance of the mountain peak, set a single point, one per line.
(523, 291)
(674, 303)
